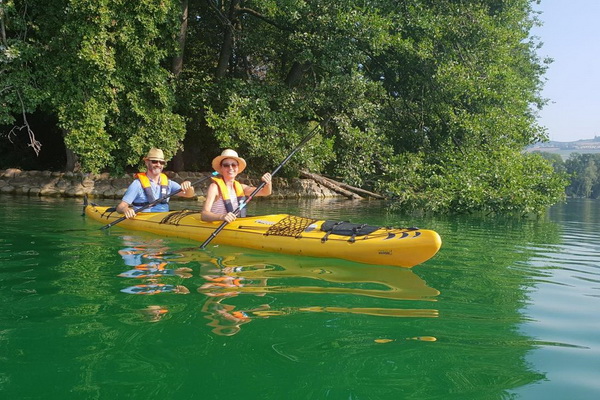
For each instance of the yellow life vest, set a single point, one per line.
(224, 191)
(145, 181)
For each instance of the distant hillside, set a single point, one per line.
(584, 146)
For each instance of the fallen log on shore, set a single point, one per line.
(344, 189)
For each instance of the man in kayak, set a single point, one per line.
(225, 193)
(150, 186)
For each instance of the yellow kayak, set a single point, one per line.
(284, 233)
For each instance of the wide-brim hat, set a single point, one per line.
(228, 153)
(155, 155)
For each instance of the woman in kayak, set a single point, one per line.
(225, 194)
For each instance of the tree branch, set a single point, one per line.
(269, 21)
(222, 17)
(36, 145)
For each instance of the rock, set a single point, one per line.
(87, 181)
(12, 173)
(49, 191)
(62, 185)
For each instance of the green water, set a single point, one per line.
(507, 309)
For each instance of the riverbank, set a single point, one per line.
(105, 186)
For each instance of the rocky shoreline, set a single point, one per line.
(105, 186)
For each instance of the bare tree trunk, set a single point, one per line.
(228, 38)
(296, 73)
(177, 64)
(72, 161)
(2, 27)
(177, 163)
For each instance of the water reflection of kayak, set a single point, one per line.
(229, 272)
(242, 286)
(283, 233)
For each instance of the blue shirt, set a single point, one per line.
(135, 194)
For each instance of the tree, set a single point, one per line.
(19, 92)
(101, 66)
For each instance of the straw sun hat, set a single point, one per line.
(228, 153)
(155, 155)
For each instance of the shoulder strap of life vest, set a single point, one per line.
(239, 192)
(147, 187)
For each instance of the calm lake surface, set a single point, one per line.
(507, 309)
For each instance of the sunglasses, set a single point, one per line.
(158, 162)
(226, 165)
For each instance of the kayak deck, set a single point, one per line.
(284, 233)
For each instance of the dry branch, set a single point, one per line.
(328, 183)
(356, 189)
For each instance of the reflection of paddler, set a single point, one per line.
(150, 273)
(156, 289)
(152, 265)
(220, 278)
(154, 313)
(161, 255)
(229, 283)
(222, 282)
(142, 249)
(135, 256)
(152, 270)
(132, 251)
(225, 320)
(215, 285)
(144, 252)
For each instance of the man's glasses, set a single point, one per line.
(158, 162)
(226, 165)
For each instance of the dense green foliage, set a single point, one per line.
(429, 100)
(97, 66)
(583, 171)
(488, 181)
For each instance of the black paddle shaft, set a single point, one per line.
(155, 202)
(259, 188)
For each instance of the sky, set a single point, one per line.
(571, 37)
